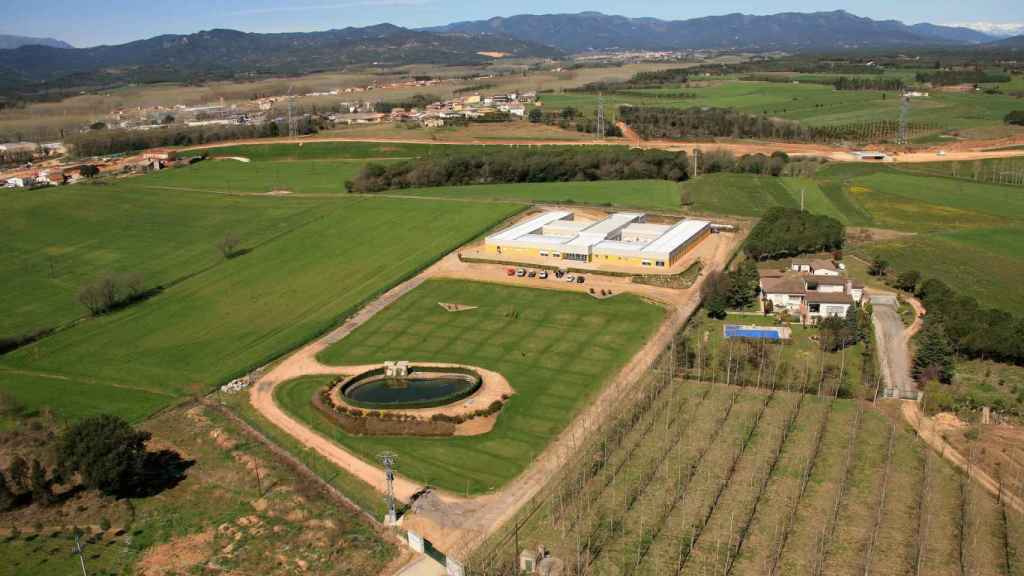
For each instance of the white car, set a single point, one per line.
(570, 278)
(543, 274)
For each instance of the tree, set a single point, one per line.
(89, 171)
(536, 115)
(168, 119)
(7, 496)
(934, 357)
(106, 452)
(39, 485)
(228, 245)
(908, 280)
(1016, 118)
(742, 285)
(98, 126)
(878, 267)
(715, 292)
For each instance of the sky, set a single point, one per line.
(92, 22)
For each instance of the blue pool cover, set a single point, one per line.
(733, 331)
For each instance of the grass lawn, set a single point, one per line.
(230, 318)
(557, 350)
(642, 194)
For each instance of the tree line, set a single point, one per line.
(785, 232)
(867, 83)
(108, 142)
(639, 81)
(954, 77)
(522, 165)
(699, 122)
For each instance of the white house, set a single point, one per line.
(15, 183)
(811, 296)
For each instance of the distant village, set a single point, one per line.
(469, 107)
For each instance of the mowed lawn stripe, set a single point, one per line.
(236, 316)
(539, 339)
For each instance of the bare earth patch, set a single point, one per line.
(176, 556)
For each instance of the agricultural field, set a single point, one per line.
(812, 104)
(211, 318)
(251, 502)
(527, 335)
(654, 195)
(701, 477)
(967, 233)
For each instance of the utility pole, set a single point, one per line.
(600, 115)
(388, 460)
(77, 551)
(801, 199)
(901, 138)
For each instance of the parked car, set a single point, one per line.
(532, 274)
(520, 272)
(543, 274)
(570, 278)
(510, 272)
(579, 279)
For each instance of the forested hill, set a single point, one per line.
(9, 42)
(785, 31)
(217, 54)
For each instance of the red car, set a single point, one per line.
(510, 272)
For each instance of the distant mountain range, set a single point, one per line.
(228, 53)
(789, 31)
(10, 42)
(40, 66)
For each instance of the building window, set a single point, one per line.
(660, 263)
(645, 262)
(543, 253)
(556, 254)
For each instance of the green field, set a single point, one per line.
(316, 151)
(642, 194)
(310, 263)
(56, 239)
(966, 233)
(813, 104)
(231, 176)
(556, 349)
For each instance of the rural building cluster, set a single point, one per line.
(467, 107)
(621, 239)
(810, 290)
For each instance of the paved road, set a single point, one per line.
(892, 340)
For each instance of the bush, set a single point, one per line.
(908, 280)
(1016, 118)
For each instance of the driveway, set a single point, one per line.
(892, 340)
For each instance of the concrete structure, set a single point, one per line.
(811, 290)
(621, 239)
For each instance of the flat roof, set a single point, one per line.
(676, 236)
(619, 247)
(529, 226)
(613, 223)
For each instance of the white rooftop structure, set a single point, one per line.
(623, 235)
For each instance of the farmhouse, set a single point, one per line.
(622, 239)
(810, 289)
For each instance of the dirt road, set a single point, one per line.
(926, 430)
(892, 339)
(455, 524)
(962, 152)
